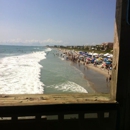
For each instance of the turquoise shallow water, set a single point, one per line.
(36, 70)
(60, 76)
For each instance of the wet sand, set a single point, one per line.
(96, 79)
(95, 76)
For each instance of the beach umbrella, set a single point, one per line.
(106, 54)
(90, 53)
(95, 54)
(111, 55)
(85, 54)
(109, 60)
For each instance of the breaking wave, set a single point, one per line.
(21, 74)
(68, 86)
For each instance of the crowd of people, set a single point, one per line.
(102, 61)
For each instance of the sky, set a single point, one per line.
(56, 22)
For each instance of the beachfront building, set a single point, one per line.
(107, 45)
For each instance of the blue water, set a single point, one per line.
(36, 70)
(8, 50)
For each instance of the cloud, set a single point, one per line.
(52, 41)
(31, 42)
(92, 43)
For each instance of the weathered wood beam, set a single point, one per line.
(45, 99)
(123, 85)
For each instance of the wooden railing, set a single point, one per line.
(96, 114)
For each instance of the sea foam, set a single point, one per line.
(21, 74)
(68, 86)
(48, 49)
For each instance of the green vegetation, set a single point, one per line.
(96, 49)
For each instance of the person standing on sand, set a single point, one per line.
(87, 67)
(79, 62)
(108, 79)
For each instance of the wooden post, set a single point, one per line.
(116, 49)
(122, 36)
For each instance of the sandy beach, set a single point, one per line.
(95, 75)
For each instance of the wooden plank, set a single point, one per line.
(43, 99)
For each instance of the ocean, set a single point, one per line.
(38, 70)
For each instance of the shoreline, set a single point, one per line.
(94, 75)
(96, 80)
(99, 70)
